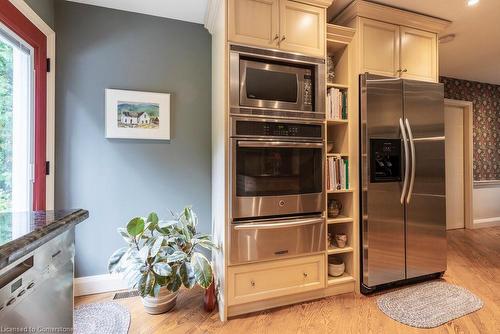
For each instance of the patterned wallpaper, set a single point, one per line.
(486, 118)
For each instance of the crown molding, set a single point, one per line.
(211, 14)
(319, 3)
(392, 15)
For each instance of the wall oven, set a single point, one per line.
(276, 84)
(277, 168)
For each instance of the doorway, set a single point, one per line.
(458, 157)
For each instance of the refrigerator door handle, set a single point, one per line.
(407, 161)
(412, 147)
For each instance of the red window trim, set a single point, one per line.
(17, 22)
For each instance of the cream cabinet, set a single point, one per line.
(418, 56)
(260, 281)
(279, 24)
(393, 50)
(302, 28)
(254, 22)
(379, 47)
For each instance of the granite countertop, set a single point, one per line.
(23, 232)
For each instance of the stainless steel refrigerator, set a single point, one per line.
(403, 203)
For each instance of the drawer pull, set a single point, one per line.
(252, 283)
(292, 223)
(56, 253)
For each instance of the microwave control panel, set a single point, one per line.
(308, 88)
(272, 129)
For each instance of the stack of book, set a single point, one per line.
(336, 105)
(338, 173)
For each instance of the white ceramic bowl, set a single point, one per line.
(336, 268)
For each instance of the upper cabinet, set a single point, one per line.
(302, 28)
(278, 24)
(419, 56)
(379, 47)
(392, 50)
(393, 42)
(254, 22)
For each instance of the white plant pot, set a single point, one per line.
(163, 303)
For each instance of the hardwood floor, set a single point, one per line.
(473, 262)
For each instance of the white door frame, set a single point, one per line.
(467, 108)
(51, 88)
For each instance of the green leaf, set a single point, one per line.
(202, 270)
(153, 218)
(144, 253)
(123, 232)
(187, 275)
(156, 290)
(175, 283)
(155, 248)
(146, 283)
(135, 226)
(161, 280)
(115, 259)
(162, 269)
(176, 256)
(205, 243)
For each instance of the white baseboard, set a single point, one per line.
(90, 285)
(487, 222)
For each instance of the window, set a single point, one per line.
(23, 105)
(16, 122)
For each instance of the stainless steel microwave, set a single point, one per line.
(275, 84)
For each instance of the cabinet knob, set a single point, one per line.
(405, 70)
(399, 71)
(276, 37)
(305, 275)
(252, 283)
(283, 38)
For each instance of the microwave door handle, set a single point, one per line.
(407, 161)
(266, 144)
(257, 226)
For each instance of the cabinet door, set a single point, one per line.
(302, 28)
(379, 48)
(418, 55)
(254, 22)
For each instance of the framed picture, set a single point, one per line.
(137, 115)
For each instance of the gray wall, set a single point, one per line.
(114, 179)
(44, 9)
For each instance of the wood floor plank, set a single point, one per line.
(473, 262)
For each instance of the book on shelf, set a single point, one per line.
(337, 173)
(336, 106)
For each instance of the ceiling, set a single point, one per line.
(184, 10)
(474, 54)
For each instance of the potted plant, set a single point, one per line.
(160, 256)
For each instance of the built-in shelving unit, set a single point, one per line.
(339, 133)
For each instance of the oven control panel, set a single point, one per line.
(276, 129)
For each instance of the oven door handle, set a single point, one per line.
(278, 144)
(295, 223)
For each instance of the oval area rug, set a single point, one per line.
(428, 305)
(101, 318)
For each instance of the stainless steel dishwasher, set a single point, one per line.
(36, 292)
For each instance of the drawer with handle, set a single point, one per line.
(271, 239)
(259, 281)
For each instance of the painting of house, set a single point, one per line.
(138, 115)
(135, 118)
